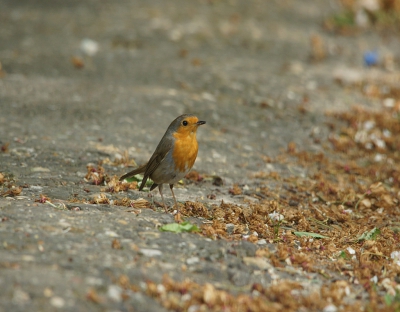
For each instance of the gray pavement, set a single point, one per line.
(243, 66)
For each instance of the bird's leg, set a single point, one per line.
(171, 186)
(160, 187)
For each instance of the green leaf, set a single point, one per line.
(135, 178)
(139, 178)
(388, 299)
(344, 19)
(369, 235)
(344, 255)
(393, 299)
(179, 227)
(308, 234)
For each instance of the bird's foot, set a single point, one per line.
(178, 217)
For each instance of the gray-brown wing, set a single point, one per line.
(158, 156)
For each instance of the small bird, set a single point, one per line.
(174, 156)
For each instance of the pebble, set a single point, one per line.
(374, 279)
(111, 234)
(89, 47)
(379, 157)
(192, 260)
(389, 102)
(370, 5)
(114, 293)
(40, 169)
(94, 281)
(28, 258)
(150, 252)
(330, 308)
(351, 250)
(36, 187)
(47, 292)
(57, 302)
(194, 308)
(258, 262)
(64, 224)
(395, 255)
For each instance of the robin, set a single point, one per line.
(174, 156)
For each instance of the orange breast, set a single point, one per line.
(185, 151)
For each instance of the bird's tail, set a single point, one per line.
(136, 171)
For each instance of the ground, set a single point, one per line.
(296, 186)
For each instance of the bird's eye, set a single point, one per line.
(185, 123)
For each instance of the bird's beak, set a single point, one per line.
(200, 122)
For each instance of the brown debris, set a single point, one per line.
(42, 199)
(116, 244)
(116, 186)
(93, 296)
(195, 209)
(127, 202)
(77, 62)
(95, 175)
(194, 176)
(283, 295)
(4, 147)
(13, 191)
(348, 193)
(317, 48)
(235, 190)
(100, 199)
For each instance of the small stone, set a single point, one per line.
(389, 102)
(28, 258)
(89, 47)
(330, 308)
(94, 281)
(114, 293)
(379, 157)
(64, 224)
(35, 187)
(40, 169)
(47, 292)
(192, 260)
(194, 308)
(57, 302)
(150, 252)
(161, 289)
(209, 295)
(111, 234)
(258, 262)
(351, 250)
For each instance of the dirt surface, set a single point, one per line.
(249, 68)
